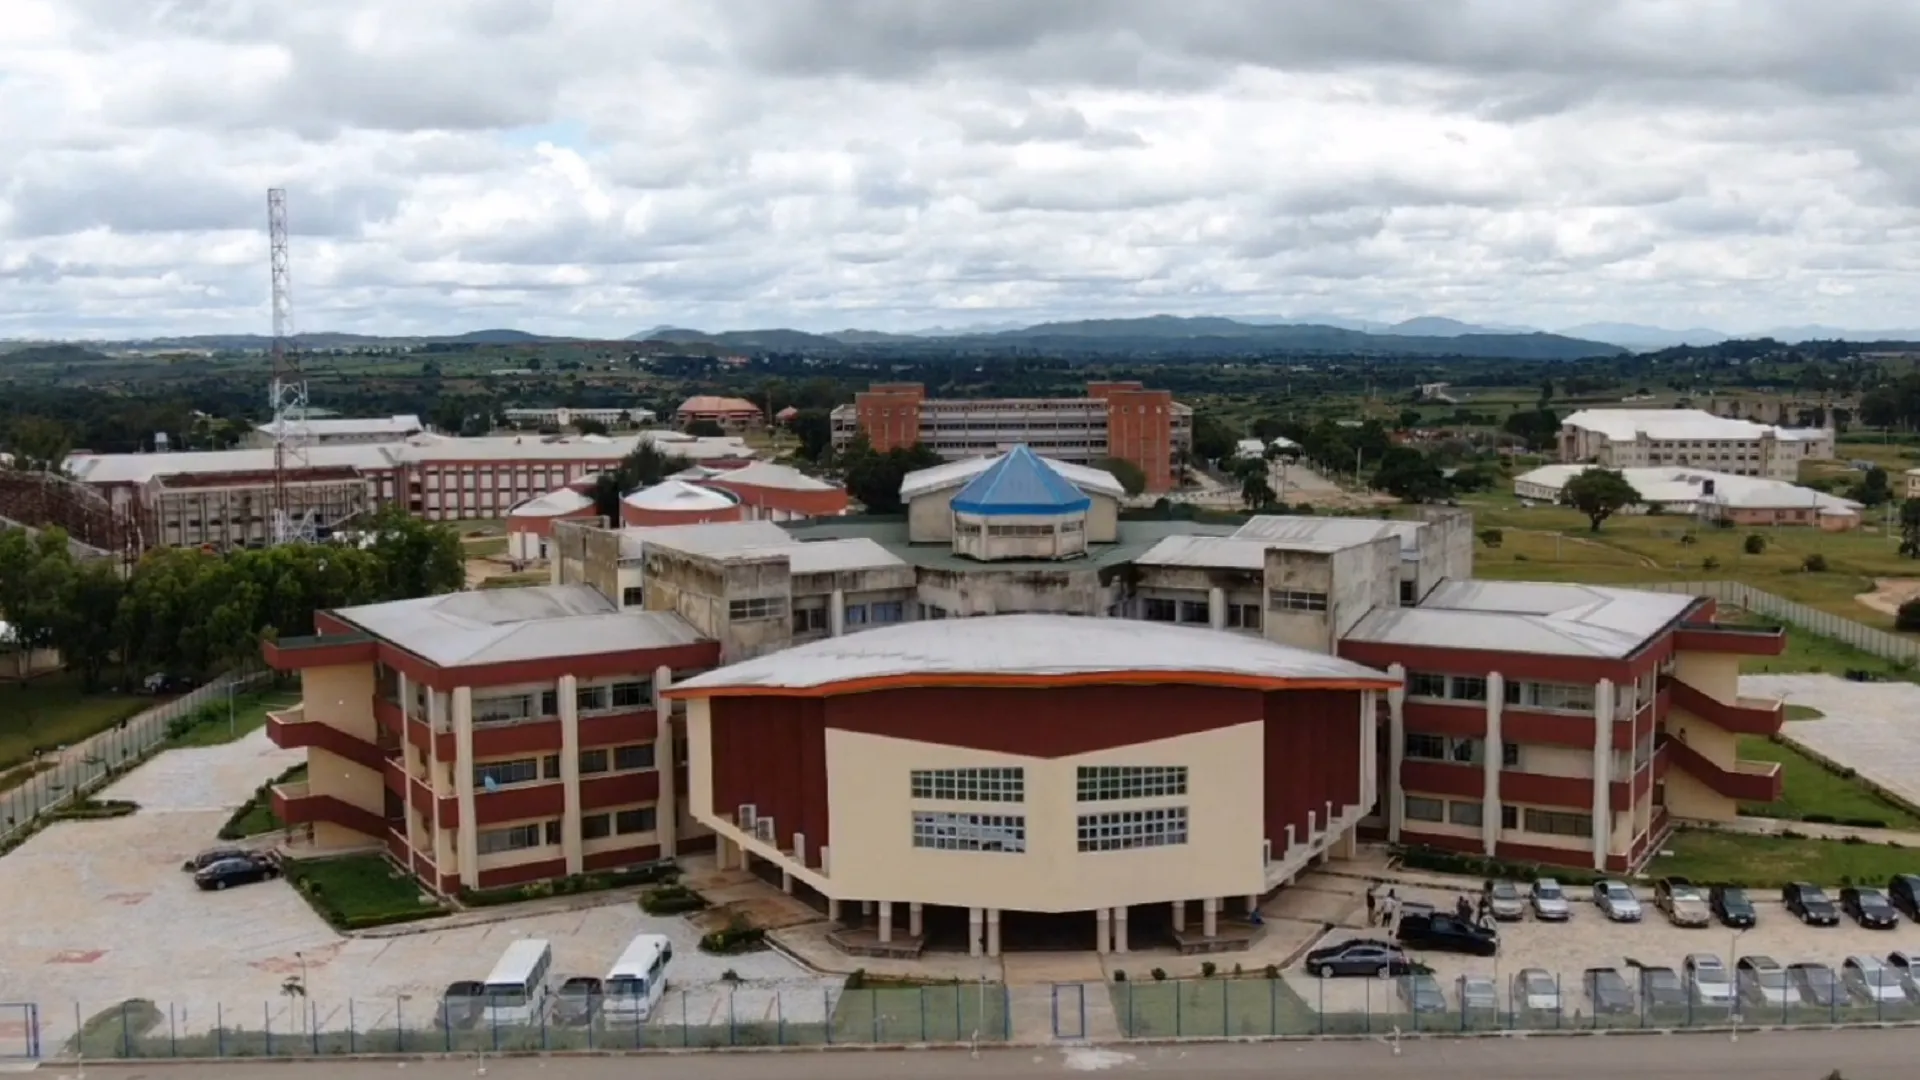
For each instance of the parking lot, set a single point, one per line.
(99, 912)
(1588, 940)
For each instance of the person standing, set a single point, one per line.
(1373, 903)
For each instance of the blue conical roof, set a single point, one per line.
(1020, 484)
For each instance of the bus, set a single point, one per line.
(516, 992)
(638, 978)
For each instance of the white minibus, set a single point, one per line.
(638, 978)
(517, 990)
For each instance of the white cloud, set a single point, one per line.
(599, 166)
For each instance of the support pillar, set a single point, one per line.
(837, 613)
(1396, 749)
(1253, 904)
(800, 849)
(786, 881)
(460, 704)
(976, 917)
(1217, 608)
(666, 760)
(1102, 930)
(1495, 749)
(833, 910)
(916, 923)
(1120, 929)
(1602, 772)
(1369, 750)
(886, 922)
(866, 909)
(1210, 916)
(993, 932)
(572, 844)
(1179, 916)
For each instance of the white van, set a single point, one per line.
(638, 978)
(516, 992)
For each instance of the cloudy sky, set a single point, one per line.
(604, 166)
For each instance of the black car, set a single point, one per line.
(1608, 990)
(243, 870)
(1361, 956)
(1817, 984)
(1810, 904)
(1422, 927)
(213, 855)
(1904, 891)
(578, 1001)
(1422, 994)
(461, 1005)
(1731, 906)
(1869, 908)
(1661, 988)
(162, 682)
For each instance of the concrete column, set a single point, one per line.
(1369, 757)
(800, 848)
(665, 753)
(1180, 915)
(866, 909)
(993, 931)
(786, 881)
(1210, 916)
(1217, 608)
(1494, 748)
(1602, 771)
(886, 922)
(837, 613)
(571, 844)
(1396, 750)
(976, 917)
(833, 910)
(1102, 929)
(916, 920)
(468, 844)
(1120, 929)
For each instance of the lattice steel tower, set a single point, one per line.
(287, 396)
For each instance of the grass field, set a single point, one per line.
(1772, 861)
(257, 817)
(937, 1012)
(1808, 787)
(359, 889)
(52, 711)
(249, 714)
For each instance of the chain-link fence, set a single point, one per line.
(69, 774)
(293, 1026)
(1523, 1001)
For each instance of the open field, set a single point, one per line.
(1812, 788)
(248, 713)
(1773, 861)
(52, 711)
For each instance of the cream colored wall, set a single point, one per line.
(341, 697)
(930, 517)
(1556, 761)
(501, 860)
(871, 820)
(617, 841)
(1710, 741)
(1103, 519)
(1553, 840)
(1715, 674)
(1438, 828)
(350, 782)
(1689, 797)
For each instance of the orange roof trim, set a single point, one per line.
(1090, 678)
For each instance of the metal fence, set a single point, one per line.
(1823, 623)
(1289, 1005)
(75, 772)
(294, 1026)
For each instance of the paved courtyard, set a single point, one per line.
(1872, 728)
(99, 912)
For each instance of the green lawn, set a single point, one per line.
(1810, 788)
(52, 711)
(485, 548)
(1808, 651)
(939, 1012)
(1772, 861)
(257, 816)
(249, 714)
(360, 890)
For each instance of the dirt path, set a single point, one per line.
(1888, 594)
(1644, 560)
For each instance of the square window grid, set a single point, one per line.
(969, 832)
(970, 785)
(1128, 829)
(1098, 783)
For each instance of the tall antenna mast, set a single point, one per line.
(287, 396)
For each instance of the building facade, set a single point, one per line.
(731, 413)
(563, 416)
(1639, 438)
(1744, 501)
(1122, 420)
(341, 431)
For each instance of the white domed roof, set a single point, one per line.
(553, 504)
(680, 496)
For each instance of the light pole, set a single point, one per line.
(233, 728)
(1733, 964)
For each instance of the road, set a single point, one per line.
(1800, 1055)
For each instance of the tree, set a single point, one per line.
(1408, 419)
(1255, 492)
(1131, 476)
(587, 425)
(1910, 528)
(34, 575)
(1907, 618)
(39, 444)
(1212, 440)
(814, 428)
(1539, 428)
(645, 466)
(1410, 476)
(89, 638)
(417, 558)
(873, 478)
(1599, 493)
(1873, 489)
(1755, 544)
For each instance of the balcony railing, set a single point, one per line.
(290, 729)
(1746, 781)
(296, 804)
(1731, 638)
(1747, 716)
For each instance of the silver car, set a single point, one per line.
(1505, 902)
(1550, 901)
(1872, 982)
(1616, 901)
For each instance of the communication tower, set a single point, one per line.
(287, 396)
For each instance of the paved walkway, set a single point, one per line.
(1761, 826)
(1867, 727)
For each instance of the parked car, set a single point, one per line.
(244, 870)
(1732, 907)
(1816, 983)
(1681, 902)
(1809, 904)
(1708, 984)
(1550, 901)
(1661, 988)
(1361, 956)
(1763, 983)
(1904, 891)
(1869, 908)
(1616, 901)
(1422, 927)
(578, 1001)
(161, 682)
(1422, 994)
(1505, 902)
(461, 1005)
(213, 855)
(1536, 990)
(1907, 966)
(1478, 994)
(1608, 990)
(1871, 981)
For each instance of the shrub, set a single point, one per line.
(1119, 976)
(1907, 618)
(729, 976)
(1493, 538)
(1159, 974)
(1273, 971)
(672, 899)
(1755, 544)
(94, 810)
(1815, 563)
(1207, 969)
(1710, 563)
(737, 937)
(857, 980)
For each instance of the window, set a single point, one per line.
(513, 838)
(632, 695)
(1155, 609)
(1559, 823)
(759, 607)
(592, 761)
(855, 615)
(809, 620)
(1426, 747)
(1421, 808)
(498, 773)
(1509, 755)
(1102, 782)
(550, 767)
(1127, 829)
(589, 698)
(1407, 597)
(632, 596)
(596, 827)
(969, 832)
(1463, 750)
(637, 756)
(1195, 611)
(638, 820)
(1426, 684)
(1243, 616)
(969, 785)
(890, 611)
(552, 829)
(1465, 813)
(1509, 817)
(1467, 688)
(549, 703)
(1555, 697)
(1295, 600)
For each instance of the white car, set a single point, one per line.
(1549, 902)
(1763, 982)
(1708, 981)
(1873, 982)
(1616, 901)
(1536, 991)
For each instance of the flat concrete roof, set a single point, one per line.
(498, 626)
(1542, 618)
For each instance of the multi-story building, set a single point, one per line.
(562, 416)
(340, 431)
(1250, 698)
(731, 413)
(1744, 501)
(1636, 438)
(1122, 420)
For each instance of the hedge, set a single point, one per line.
(663, 871)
